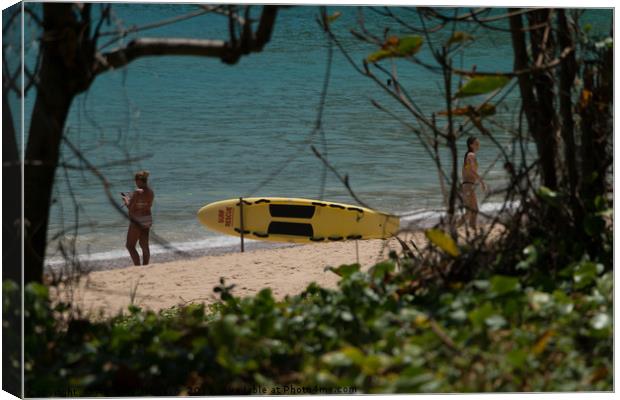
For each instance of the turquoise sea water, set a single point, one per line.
(207, 131)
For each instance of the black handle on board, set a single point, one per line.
(241, 222)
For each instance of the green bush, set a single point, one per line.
(376, 333)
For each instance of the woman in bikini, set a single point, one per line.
(470, 178)
(140, 219)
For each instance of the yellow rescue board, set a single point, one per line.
(280, 219)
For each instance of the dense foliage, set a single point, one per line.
(523, 328)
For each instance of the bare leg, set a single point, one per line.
(144, 245)
(462, 218)
(132, 238)
(473, 212)
(471, 204)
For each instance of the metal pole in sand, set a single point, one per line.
(242, 228)
(357, 251)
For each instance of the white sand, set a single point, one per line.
(287, 271)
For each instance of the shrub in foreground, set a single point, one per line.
(377, 332)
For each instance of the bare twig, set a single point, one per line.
(122, 33)
(444, 337)
(344, 179)
(133, 291)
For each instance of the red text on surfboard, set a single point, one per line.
(225, 217)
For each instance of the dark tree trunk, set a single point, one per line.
(546, 129)
(11, 224)
(451, 139)
(12, 201)
(595, 112)
(41, 159)
(537, 95)
(11, 252)
(64, 73)
(568, 70)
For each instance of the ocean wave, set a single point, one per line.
(213, 242)
(425, 218)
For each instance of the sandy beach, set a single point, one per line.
(287, 271)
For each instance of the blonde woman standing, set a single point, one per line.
(139, 204)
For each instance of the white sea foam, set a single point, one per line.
(424, 218)
(213, 242)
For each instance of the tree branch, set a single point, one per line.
(521, 71)
(145, 47)
(343, 179)
(227, 52)
(225, 12)
(444, 337)
(265, 26)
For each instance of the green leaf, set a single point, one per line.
(199, 343)
(345, 270)
(37, 289)
(409, 45)
(373, 364)
(605, 284)
(397, 47)
(477, 316)
(265, 296)
(600, 203)
(133, 309)
(564, 304)
(517, 358)
(549, 195)
(443, 241)
(585, 273)
(380, 270)
(346, 316)
(531, 252)
(539, 300)
(495, 321)
(380, 55)
(481, 284)
(170, 335)
(458, 315)
(607, 42)
(501, 284)
(459, 37)
(354, 354)
(482, 85)
(336, 359)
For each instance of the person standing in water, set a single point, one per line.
(470, 179)
(140, 219)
